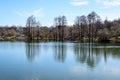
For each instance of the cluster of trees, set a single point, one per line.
(85, 28)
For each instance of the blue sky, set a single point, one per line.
(15, 12)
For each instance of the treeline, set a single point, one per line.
(85, 28)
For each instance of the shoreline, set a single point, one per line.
(24, 39)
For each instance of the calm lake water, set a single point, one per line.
(59, 61)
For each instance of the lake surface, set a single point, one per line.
(59, 61)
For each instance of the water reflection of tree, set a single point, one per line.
(92, 53)
(114, 52)
(60, 52)
(85, 54)
(108, 50)
(32, 50)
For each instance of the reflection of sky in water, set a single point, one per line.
(59, 61)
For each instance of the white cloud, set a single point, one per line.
(78, 3)
(37, 13)
(112, 3)
(109, 3)
(78, 70)
(111, 70)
